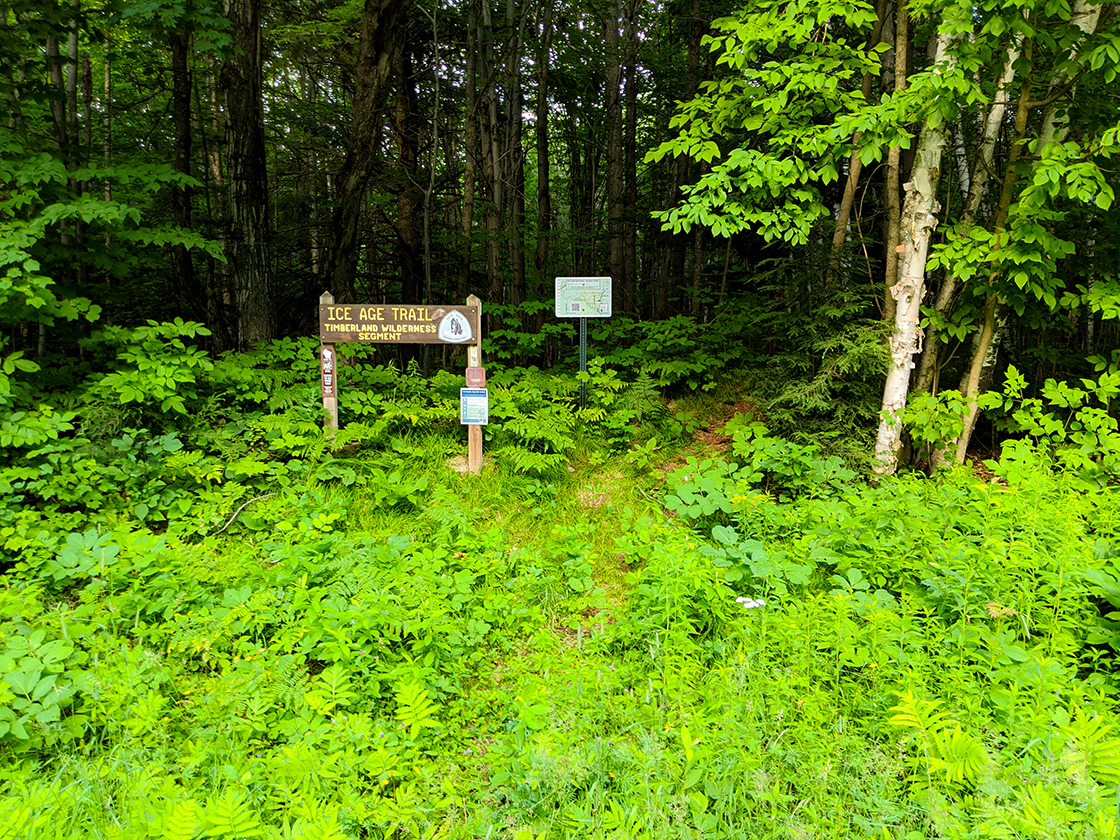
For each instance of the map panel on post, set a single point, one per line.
(583, 297)
(398, 323)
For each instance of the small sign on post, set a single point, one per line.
(474, 363)
(328, 365)
(583, 298)
(474, 406)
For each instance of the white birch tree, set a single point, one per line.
(776, 133)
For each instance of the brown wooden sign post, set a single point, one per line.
(396, 323)
(328, 364)
(474, 365)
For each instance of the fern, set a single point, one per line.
(231, 816)
(329, 829)
(1093, 747)
(643, 399)
(334, 691)
(525, 460)
(415, 709)
(182, 822)
(956, 755)
(290, 681)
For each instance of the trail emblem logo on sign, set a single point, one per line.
(454, 328)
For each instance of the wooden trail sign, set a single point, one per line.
(398, 323)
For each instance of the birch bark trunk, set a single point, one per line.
(918, 221)
(1054, 128)
(982, 166)
(894, 164)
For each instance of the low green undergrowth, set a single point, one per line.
(226, 623)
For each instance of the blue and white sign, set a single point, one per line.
(474, 406)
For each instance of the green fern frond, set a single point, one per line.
(643, 398)
(415, 708)
(915, 713)
(526, 460)
(182, 822)
(957, 755)
(329, 829)
(1093, 745)
(231, 816)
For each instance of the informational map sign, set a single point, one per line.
(474, 406)
(398, 323)
(583, 297)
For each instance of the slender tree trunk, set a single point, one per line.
(855, 165)
(1054, 127)
(18, 78)
(1055, 118)
(970, 385)
(919, 219)
(58, 97)
(216, 283)
(186, 287)
(307, 186)
(616, 252)
(492, 158)
(379, 42)
(977, 190)
(409, 200)
(73, 155)
(433, 147)
(470, 151)
(544, 188)
(247, 245)
(669, 263)
(630, 161)
(894, 165)
(85, 144)
(513, 167)
(699, 239)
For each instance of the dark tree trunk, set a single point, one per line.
(379, 43)
(616, 181)
(630, 164)
(490, 132)
(544, 188)
(409, 199)
(671, 248)
(470, 153)
(247, 243)
(514, 155)
(185, 285)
